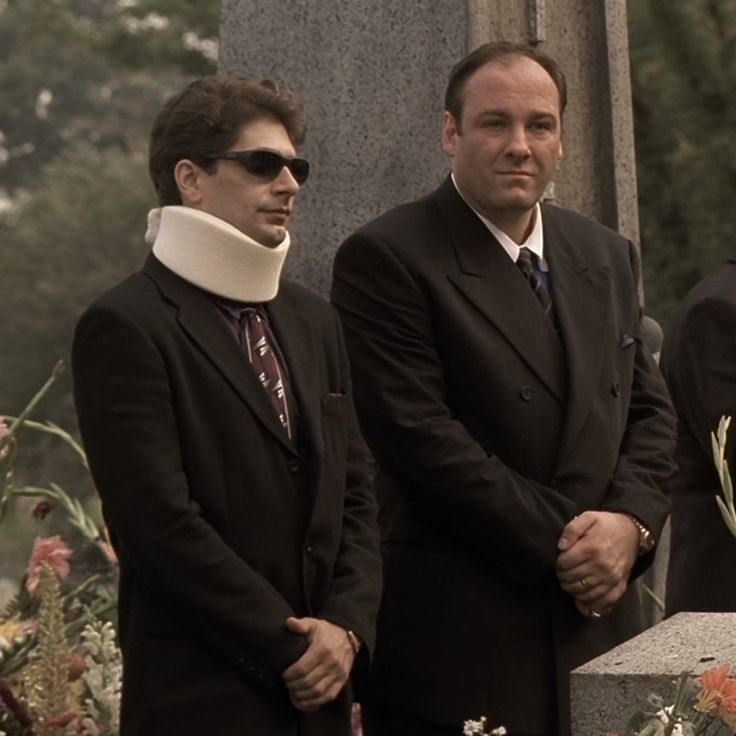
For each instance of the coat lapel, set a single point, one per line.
(581, 299)
(199, 318)
(494, 285)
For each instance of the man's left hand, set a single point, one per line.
(597, 551)
(319, 675)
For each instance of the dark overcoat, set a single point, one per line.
(491, 433)
(699, 364)
(224, 527)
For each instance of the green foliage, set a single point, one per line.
(81, 82)
(81, 231)
(91, 71)
(684, 86)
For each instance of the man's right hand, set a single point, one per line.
(597, 551)
(319, 675)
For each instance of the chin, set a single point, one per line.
(272, 239)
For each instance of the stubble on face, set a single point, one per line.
(506, 147)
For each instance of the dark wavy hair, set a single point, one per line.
(207, 117)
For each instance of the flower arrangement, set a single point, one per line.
(478, 728)
(701, 705)
(60, 668)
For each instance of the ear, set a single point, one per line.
(449, 134)
(188, 178)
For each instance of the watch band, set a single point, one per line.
(646, 538)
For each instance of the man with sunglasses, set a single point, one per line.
(214, 403)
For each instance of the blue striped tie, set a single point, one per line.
(526, 264)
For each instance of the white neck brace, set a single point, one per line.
(215, 256)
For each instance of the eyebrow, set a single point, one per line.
(490, 112)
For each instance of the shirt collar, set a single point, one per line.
(535, 241)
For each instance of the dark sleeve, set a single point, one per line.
(400, 396)
(647, 448)
(355, 590)
(124, 404)
(703, 370)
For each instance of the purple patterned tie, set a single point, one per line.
(526, 266)
(266, 364)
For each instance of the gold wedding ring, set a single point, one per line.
(595, 614)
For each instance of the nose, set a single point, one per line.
(285, 182)
(518, 145)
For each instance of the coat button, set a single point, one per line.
(526, 393)
(308, 548)
(616, 388)
(294, 466)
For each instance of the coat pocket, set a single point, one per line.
(334, 404)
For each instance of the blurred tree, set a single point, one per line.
(684, 87)
(81, 81)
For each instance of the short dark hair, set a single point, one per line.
(207, 117)
(494, 51)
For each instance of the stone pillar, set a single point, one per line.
(373, 76)
(589, 38)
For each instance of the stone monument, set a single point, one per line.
(606, 692)
(373, 76)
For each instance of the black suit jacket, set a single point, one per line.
(491, 434)
(223, 526)
(699, 363)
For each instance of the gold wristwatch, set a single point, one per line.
(646, 538)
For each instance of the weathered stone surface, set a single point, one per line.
(608, 690)
(373, 76)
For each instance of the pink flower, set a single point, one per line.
(61, 721)
(4, 432)
(52, 551)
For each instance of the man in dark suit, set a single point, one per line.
(214, 402)
(699, 364)
(521, 428)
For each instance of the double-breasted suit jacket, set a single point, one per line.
(223, 526)
(699, 364)
(491, 433)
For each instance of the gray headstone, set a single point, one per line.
(608, 690)
(373, 75)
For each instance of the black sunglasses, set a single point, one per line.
(267, 164)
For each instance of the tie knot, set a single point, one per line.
(525, 261)
(247, 315)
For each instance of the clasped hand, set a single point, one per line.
(319, 675)
(597, 551)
